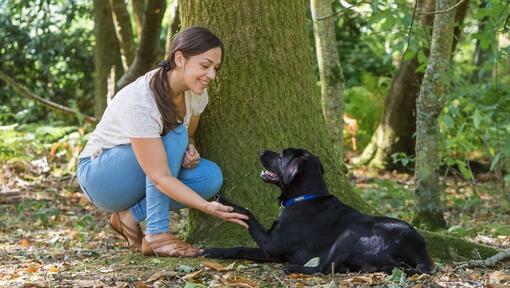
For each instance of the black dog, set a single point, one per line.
(316, 224)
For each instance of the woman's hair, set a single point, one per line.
(191, 41)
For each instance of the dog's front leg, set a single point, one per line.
(258, 232)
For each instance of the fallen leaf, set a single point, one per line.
(239, 282)
(217, 266)
(140, 284)
(155, 277)
(53, 269)
(25, 243)
(498, 277)
(38, 284)
(88, 283)
(298, 276)
(33, 268)
(192, 274)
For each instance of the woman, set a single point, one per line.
(141, 159)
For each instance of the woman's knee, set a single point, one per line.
(214, 180)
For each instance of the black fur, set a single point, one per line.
(344, 239)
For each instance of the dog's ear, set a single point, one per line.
(293, 168)
(320, 164)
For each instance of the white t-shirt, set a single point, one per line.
(133, 113)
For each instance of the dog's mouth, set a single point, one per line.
(269, 176)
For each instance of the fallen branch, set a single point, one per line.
(55, 106)
(489, 262)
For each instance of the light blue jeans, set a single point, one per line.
(114, 181)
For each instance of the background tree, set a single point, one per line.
(105, 52)
(398, 124)
(429, 106)
(331, 76)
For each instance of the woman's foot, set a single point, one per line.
(124, 223)
(167, 245)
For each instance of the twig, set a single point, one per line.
(410, 29)
(341, 11)
(489, 262)
(444, 11)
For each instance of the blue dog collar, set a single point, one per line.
(305, 197)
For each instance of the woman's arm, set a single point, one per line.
(192, 128)
(151, 155)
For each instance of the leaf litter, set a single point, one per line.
(52, 237)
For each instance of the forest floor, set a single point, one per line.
(52, 237)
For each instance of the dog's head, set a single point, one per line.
(294, 170)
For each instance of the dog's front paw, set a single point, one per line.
(237, 209)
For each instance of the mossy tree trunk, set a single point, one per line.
(331, 76)
(429, 106)
(265, 98)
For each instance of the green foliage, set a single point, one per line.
(48, 47)
(60, 145)
(365, 103)
(40, 211)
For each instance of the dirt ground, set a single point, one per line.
(52, 237)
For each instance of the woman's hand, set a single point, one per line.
(225, 212)
(191, 157)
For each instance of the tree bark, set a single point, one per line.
(429, 106)
(148, 51)
(104, 53)
(264, 98)
(124, 32)
(23, 91)
(174, 22)
(331, 76)
(395, 132)
(138, 12)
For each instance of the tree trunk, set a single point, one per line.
(104, 53)
(481, 54)
(395, 132)
(264, 97)
(138, 12)
(174, 21)
(124, 32)
(331, 76)
(429, 106)
(148, 51)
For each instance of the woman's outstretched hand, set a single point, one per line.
(225, 212)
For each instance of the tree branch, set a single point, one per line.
(148, 51)
(489, 262)
(444, 11)
(23, 91)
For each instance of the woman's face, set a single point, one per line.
(201, 69)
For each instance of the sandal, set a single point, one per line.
(133, 234)
(178, 248)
